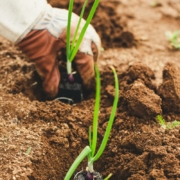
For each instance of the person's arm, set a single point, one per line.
(17, 17)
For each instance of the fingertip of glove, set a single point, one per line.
(51, 92)
(89, 83)
(51, 85)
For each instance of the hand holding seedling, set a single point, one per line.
(41, 32)
(50, 40)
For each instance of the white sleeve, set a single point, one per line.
(17, 17)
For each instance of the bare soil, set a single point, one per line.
(133, 36)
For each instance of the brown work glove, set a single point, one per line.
(48, 37)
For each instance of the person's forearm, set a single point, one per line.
(17, 17)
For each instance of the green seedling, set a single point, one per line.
(169, 125)
(108, 176)
(90, 151)
(161, 121)
(155, 4)
(6, 138)
(72, 48)
(28, 151)
(174, 39)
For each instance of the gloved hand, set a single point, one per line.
(48, 37)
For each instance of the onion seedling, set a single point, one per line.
(70, 88)
(72, 48)
(167, 125)
(90, 151)
(174, 38)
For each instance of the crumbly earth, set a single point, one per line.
(39, 139)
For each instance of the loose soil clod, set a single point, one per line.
(171, 79)
(141, 101)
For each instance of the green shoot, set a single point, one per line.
(169, 125)
(68, 37)
(68, 47)
(174, 39)
(72, 49)
(28, 151)
(108, 176)
(90, 16)
(90, 151)
(90, 136)
(154, 4)
(161, 121)
(96, 112)
(78, 160)
(111, 119)
(174, 124)
(79, 22)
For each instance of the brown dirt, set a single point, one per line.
(138, 149)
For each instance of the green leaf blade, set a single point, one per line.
(77, 161)
(68, 38)
(111, 119)
(161, 120)
(96, 111)
(68, 48)
(90, 16)
(79, 22)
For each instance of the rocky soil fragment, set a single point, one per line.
(142, 101)
(169, 90)
(139, 71)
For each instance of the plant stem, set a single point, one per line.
(108, 176)
(90, 16)
(111, 119)
(68, 36)
(96, 112)
(79, 22)
(77, 161)
(90, 136)
(69, 67)
(90, 166)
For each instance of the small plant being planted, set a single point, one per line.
(90, 151)
(71, 84)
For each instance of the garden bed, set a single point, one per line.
(40, 139)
